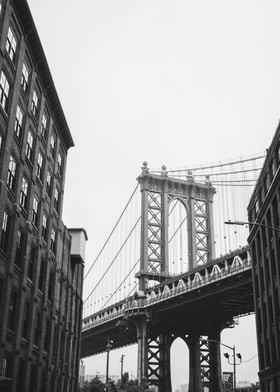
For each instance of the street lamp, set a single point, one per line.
(244, 223)
(122, 357)
(109, 346)
(226, 355)
(234, 355)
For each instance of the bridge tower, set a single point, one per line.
(158, 192)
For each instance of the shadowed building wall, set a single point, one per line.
(264, 209)
(41, 268)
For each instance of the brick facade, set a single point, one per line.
(264, 241)
(40, 282)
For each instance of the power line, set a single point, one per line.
(248, 360)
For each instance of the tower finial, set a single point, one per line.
(164, 172)
(145, 168)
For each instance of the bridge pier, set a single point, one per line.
(205, 362)
(142, 349)
(195, 382)
(153, 356)
(215, 362)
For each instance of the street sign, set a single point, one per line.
(228, 381)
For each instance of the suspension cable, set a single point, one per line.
(110, 235)
(114, 259)
(128, 274)
(213, 166)
(176, 231)
(220, 174)
(108, 300)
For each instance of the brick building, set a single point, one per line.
(41, 261)
(264, 240)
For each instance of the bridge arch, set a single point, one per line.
(179, 363)
(178, 237)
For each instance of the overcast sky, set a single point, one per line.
(171, 82)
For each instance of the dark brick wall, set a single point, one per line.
(264, 208)
(46, 303)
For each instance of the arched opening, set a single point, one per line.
(178, 248)
(179, 365)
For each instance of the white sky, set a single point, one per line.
(170, 82)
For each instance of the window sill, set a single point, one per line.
(29, 162)
(40, 292)
(23, 341)
(4, 253)
(34, 227)
(34, 117)
(17, 269)
(18, 140)
(39, 181)
(23, 211)
(29, 282)
(4, 111)
(12, 63)
(10, 332)
(11, 193)
(35, 348)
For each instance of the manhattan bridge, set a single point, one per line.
(171, 268)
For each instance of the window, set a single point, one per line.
(39, 170)
(31, 264)
(12, 310)
(56, 200)
(48, 184)
(42, 275)
(44, 227)
(23, 193)
(34, 218)
(11, 178)
(55, 341)
(1, 289)
(6, 368)
(47, 336)
(51, 286)
(52, 145)
(20, 375)
(32, 378)
(59, 164)
(18, 123)
(53, 240)
(24, 77)
(4, 91)
(19, 248)
(11, 44)
(25, 320)
(34, 104)
(5, 231)
(44, 125)
(29, 146)
(37, 329)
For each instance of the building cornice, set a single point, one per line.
(33, 42)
